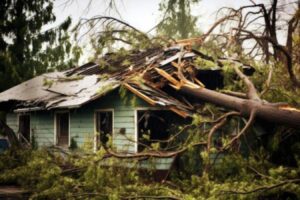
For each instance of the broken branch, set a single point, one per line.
(209, 138)
(248, 124)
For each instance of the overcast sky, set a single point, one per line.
(144, 14)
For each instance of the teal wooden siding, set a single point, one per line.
(82, 127)
(12, 121)
(42, 127)
(157, 163)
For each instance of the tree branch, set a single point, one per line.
(248, 124)
(157, 154)
(263, 188)
(251, 93)
(209, 138)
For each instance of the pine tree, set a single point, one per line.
(25, 49)
(178, 22)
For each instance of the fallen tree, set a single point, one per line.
(275, 113)
(253, 106)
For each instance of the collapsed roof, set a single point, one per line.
(143, 73)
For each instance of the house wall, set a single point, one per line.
(12, 121)
(82, 124)
(42, 127)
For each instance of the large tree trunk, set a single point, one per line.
(266, 111)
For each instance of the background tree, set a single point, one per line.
(177, 20)
(258, 30)
(25, 49)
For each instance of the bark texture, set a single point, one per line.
(266, 111)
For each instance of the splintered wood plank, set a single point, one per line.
(179, 112)
(139, 94)
(199, 82)
(167, 76)
(176, 65)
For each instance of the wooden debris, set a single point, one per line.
(179, 112)
(167, 76)
(199, 82)
(139, 94)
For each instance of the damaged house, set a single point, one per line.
(121, 100)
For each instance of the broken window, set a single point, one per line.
(153, 126)
(24, 128)
(62, 129)
(104, 126)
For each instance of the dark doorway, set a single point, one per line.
(24, 128)
(62, 129)
(104, 126)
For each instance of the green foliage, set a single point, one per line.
(47, 82)
(34, 144)
(73, 144)
(88, 144)
(205, 64)
(26, 50)
(127, 97)
(45, 174)
(115, 37)
(54, 175)
(177, 21)
(123, 94)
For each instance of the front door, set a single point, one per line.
(62, 129)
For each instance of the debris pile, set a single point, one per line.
(145, 73)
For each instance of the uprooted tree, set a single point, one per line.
(254, 121)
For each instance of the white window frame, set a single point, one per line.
(95, 124)
(55, 126)
(18, 116)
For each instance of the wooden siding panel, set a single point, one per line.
(121, 113)
(82, 122)
(123, 118)
(12, 121)
(126, 119)
(82, 126)
(154, 163)
(157, 163)
(42, 127)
